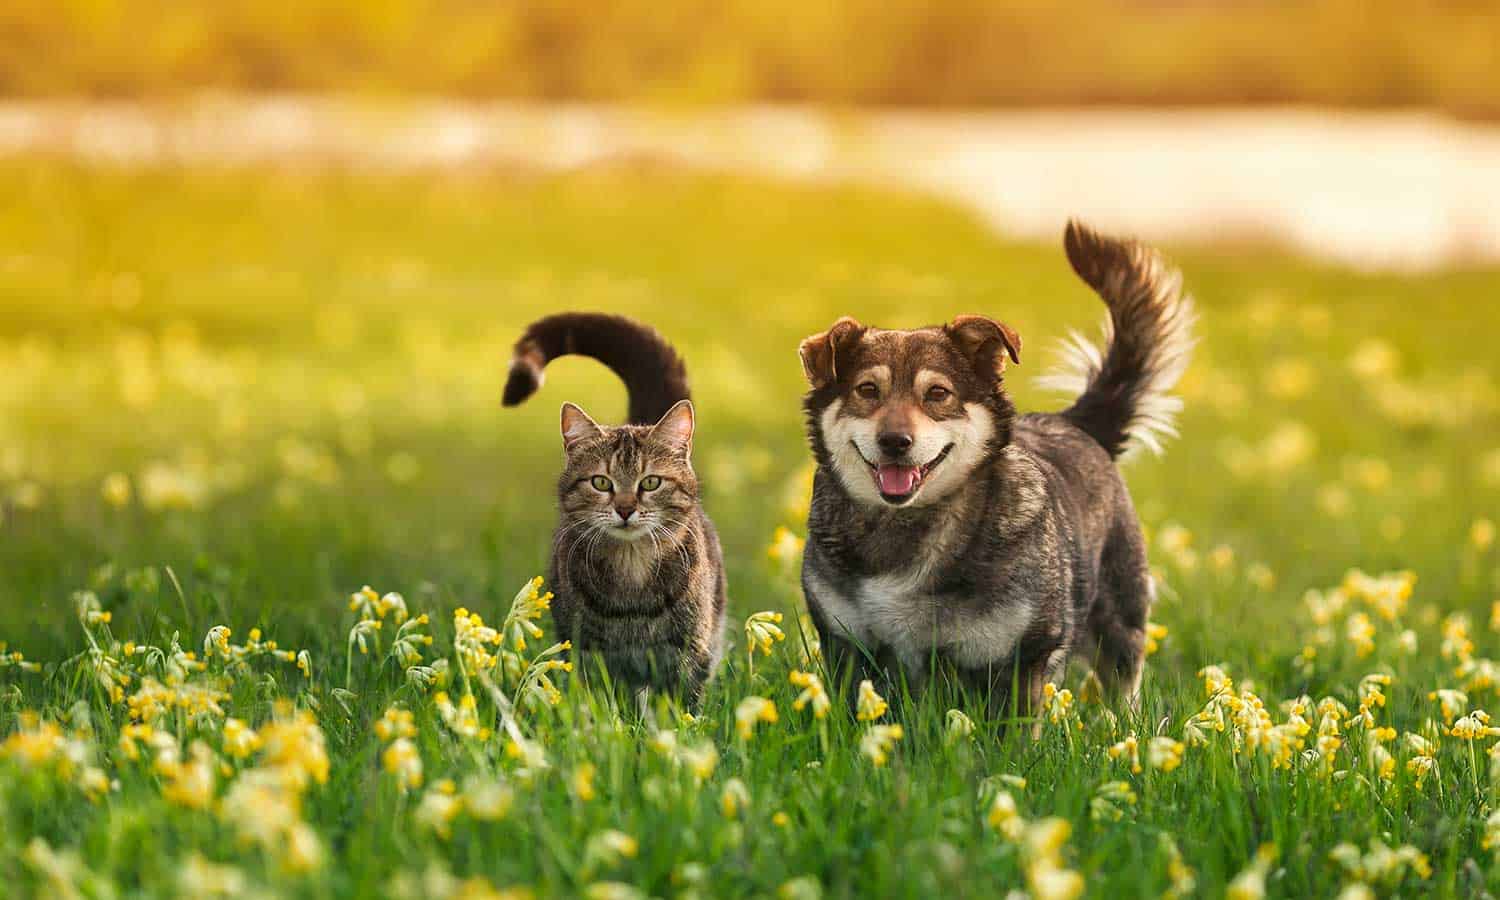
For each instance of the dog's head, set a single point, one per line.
(903, 417)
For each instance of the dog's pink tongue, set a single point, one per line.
(898, 480)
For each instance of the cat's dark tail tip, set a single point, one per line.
(523, 381)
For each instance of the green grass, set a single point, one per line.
(315, 359)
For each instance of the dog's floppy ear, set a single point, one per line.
(985, 342)
(820, 352)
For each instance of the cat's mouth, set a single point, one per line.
(898, 483)
(627, 531)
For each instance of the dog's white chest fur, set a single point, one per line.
(898, 611)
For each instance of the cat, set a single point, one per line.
(636, 564)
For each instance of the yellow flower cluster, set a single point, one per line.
(751, 711)
(1041, 844)
(1110, 801)
(14, 659)
(869, 706)
(877, 742)
(529, 605)
(813, 695)
(1380, 864)
(762, 631)
(1057, 704)
(46, 747)
(400, 757)
(1250, 884)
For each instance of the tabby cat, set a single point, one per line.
(636, 564)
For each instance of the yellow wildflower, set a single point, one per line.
(786, 547)
(293, 743)
(700, 760)
(610, 845)
(239, 740)
(402, 760)
(396, 723)
(1215, 680)
(1128, 749)
(959, 725)
(1260, 575)
(870, 705)
(812, 694)
(1155, 634)
(1360, 631)
(1250, 884)
(1164, 753)
(1482, 534)
(1474, 726)
(486, 798)
(437, 810)
(191, 783)
(581, 785)
(1456, 643)
(1184, 880)
(734, 798)
(1004, 816)
(877, 741)
(1056, 703)
(613, 890)
(116, 489)
(526, 607)
(751, 711)
(1451, 703)
(1491, 839)
(762, 631)
(1107, 803)
(1046, 875)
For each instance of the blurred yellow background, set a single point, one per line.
(1380, 53)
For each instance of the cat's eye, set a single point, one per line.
(650, 482)
(601, 483)
(868, 390)
(937, 394)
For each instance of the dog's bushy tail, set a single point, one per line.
(1122, 383)
(652, 371)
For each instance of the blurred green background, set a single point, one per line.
(1368, 53)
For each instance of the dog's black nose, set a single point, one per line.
(894, 443)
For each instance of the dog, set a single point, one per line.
(946, 531)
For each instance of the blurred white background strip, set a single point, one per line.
(1405, 191)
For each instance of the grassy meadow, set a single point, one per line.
(231, 399)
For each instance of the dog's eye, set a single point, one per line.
(601, 484)
(650, 483)
(868, 390)
(937, 394)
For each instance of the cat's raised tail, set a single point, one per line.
(652, 371)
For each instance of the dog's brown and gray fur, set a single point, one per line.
(945, 528)
(636, 565)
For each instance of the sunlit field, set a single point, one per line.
(230, 401)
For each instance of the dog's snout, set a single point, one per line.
(894, 443)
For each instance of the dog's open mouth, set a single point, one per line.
(897, 483)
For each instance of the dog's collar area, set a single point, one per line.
(914, 476)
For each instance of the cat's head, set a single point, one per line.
(628, 482)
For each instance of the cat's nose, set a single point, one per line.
(625, 512)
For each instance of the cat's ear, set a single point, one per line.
(576, 426)
(676, 427)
